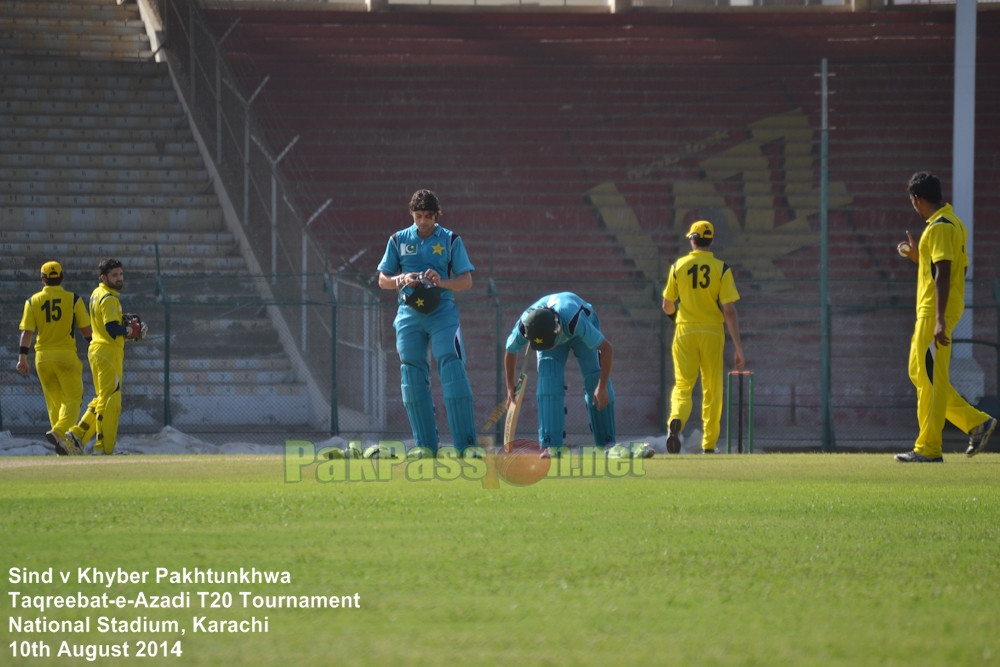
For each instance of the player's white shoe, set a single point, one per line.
(419, 453)
(618, 452)
(58, 442)
(642, 450)
(73, 444)
(979, 436)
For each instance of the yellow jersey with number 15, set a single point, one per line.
(56, 314)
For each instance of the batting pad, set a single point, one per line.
(457, 394)
(602, 422)
(551, 401)
(419, 406)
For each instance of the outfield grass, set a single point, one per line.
(787, 559)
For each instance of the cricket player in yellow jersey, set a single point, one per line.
(106, 355)
(941, 261)
(57, 315)
(699, 297)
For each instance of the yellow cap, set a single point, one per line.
(51, 270)
(703, 229)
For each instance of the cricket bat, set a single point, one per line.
(510, 423)
(495, 415)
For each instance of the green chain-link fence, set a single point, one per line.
(251, 358)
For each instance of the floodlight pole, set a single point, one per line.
(963, 169)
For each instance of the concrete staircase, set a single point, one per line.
(97, 159)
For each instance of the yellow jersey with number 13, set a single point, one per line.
(701, 284)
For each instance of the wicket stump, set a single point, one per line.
(739, 410)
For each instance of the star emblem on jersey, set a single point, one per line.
(539, 341)
(438, 249)
(420, 303)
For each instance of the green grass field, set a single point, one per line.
(786, 559)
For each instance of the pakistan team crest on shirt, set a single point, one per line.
(408, 249)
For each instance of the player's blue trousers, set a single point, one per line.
(440, 332)
(551, 394)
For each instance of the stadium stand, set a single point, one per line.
(577, 145)
(97, 159)
(570, 151)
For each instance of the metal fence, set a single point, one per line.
(265, 215)
(299, 348)
(243, 356)
(214, 366)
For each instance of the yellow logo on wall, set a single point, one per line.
(765, 233)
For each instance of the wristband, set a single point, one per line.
(22, 350)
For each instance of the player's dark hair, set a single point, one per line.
(48, 280)
(925, 185)
(425, 200)
(107, 264)
(702, 243)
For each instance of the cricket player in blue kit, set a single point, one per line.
(553, 326)
(426, 263)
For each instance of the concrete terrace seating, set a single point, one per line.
(516, 119)
(97, 159)
(76, 29)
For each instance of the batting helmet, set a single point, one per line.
(541, 328)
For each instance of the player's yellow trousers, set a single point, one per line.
(61, 376)
(937, 399)
(698, 348)
(104, 412)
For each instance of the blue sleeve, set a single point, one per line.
(591, 335)
(460, 262)
(390, 263)
(579, 325)
(516, 341)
